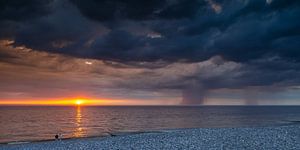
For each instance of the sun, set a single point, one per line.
(78, 102)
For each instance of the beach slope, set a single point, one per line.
(276, 137)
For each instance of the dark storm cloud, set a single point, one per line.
(110, 10)
(188, 30)
(13, 12)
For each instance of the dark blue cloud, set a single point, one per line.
(190, 30)
(111, 10)
(23, 10)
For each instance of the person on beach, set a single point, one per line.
(56, 137)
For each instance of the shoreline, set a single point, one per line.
(113, 134)
(87, 137)
(267, 137)
(75, 138)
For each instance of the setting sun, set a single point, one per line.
(78, 102)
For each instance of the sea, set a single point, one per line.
(38, 123)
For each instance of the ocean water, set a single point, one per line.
(36, 123)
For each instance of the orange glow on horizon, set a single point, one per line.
(85, 102)
(79, 102)
(63, 102)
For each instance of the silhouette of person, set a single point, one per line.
(56, 137)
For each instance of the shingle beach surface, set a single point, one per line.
(276, 137)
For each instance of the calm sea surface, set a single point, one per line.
(42, 123)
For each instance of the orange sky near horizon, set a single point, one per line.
(80, 101)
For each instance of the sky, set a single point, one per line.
(154, 52)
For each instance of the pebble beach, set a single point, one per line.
(275, 137)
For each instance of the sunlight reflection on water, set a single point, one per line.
(78, 131)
